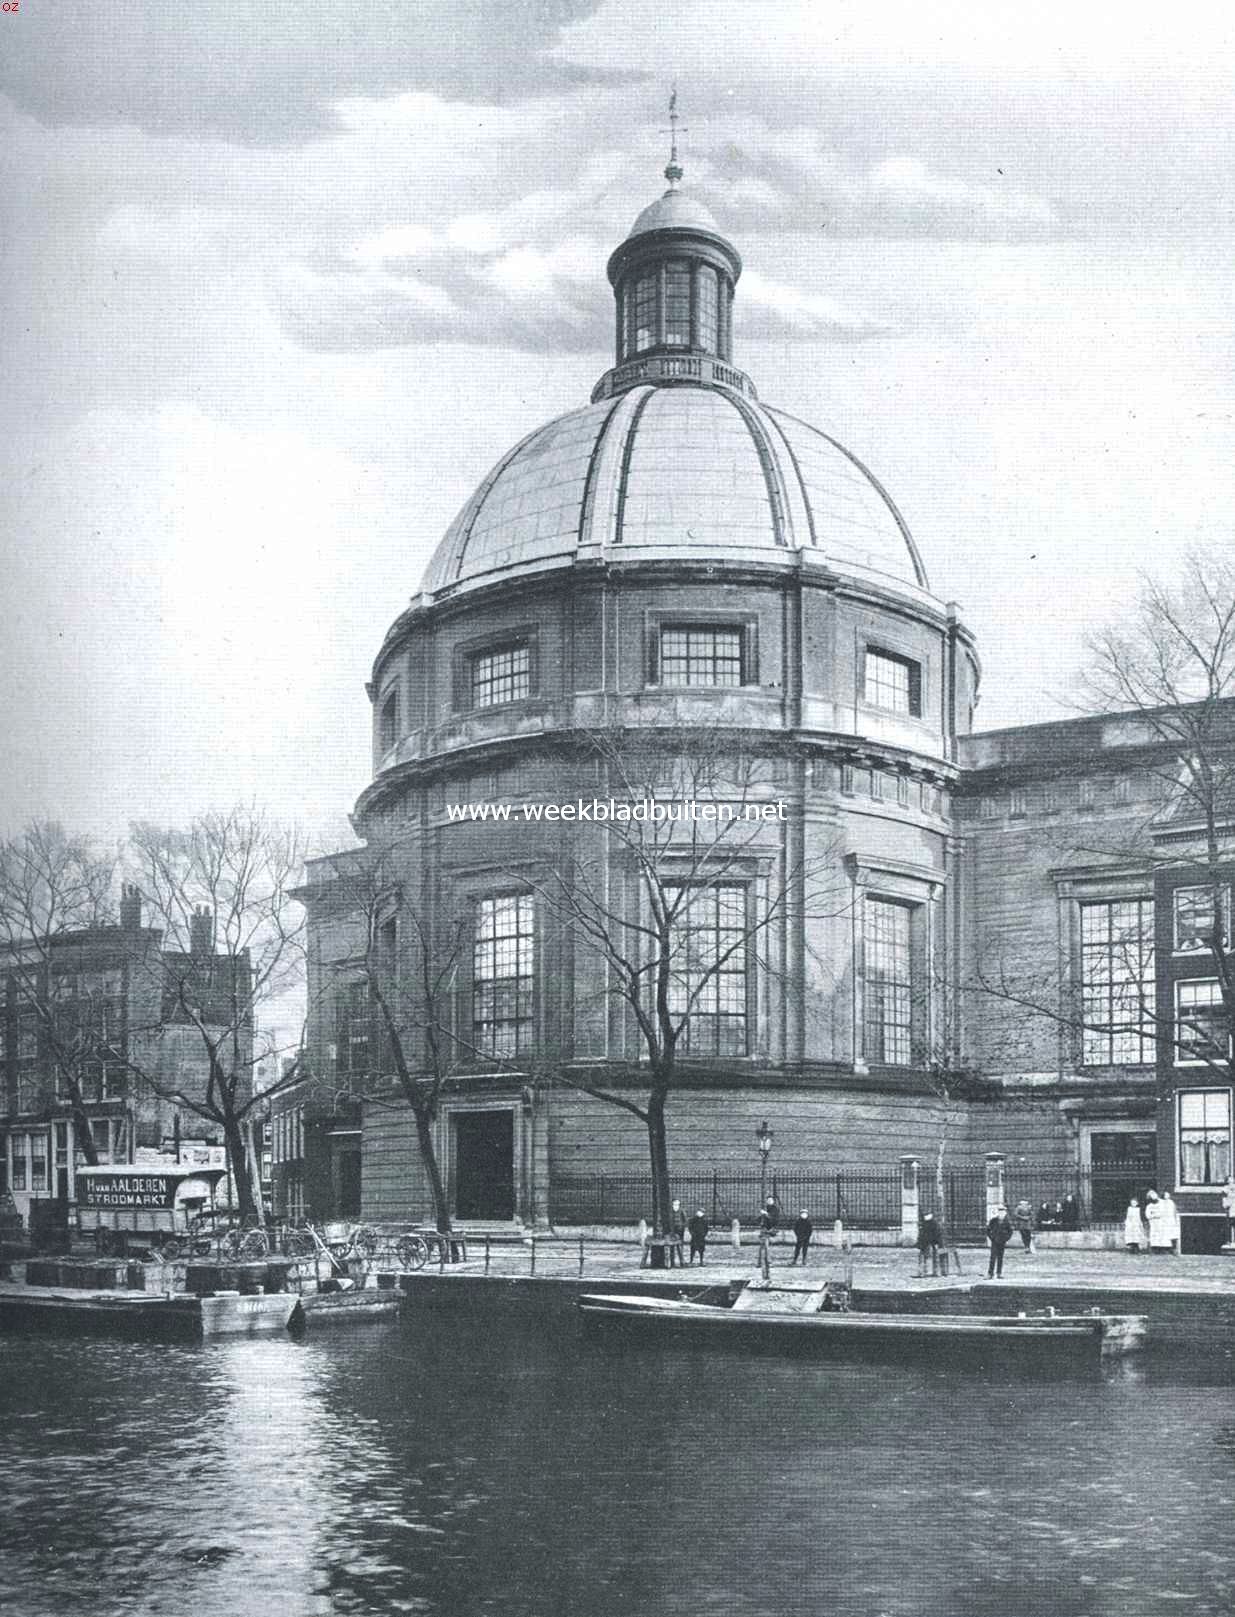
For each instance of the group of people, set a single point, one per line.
(698, 1228)
(1157, 1228)
(1060, 1215)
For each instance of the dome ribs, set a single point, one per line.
(628, 449)
(782, 526)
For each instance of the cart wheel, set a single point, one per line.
(170, 1249)
(254, 1244)
(365, 1241)
(229, 1245)
(298, 1244)
(413, 1252)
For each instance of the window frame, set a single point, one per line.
(388, 708)
(713, 989)
(688, 624)
(1146, 984)
(485, 1029)
(910, 1027)
(1200, 1060)
(914, 680)
(1204, 1183)
(1189, 950)
(472, 653)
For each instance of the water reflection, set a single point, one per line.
(454, 1467)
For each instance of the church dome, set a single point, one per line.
(674, 471)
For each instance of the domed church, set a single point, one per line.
(678, 559)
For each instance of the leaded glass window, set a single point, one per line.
(1117, 982)
(645, 312)
(1204, 1136)
(703, 655)
(503, 974)
(709, 967)
(888, 994)
(503, 674)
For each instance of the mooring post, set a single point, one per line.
(486, 1254)
(533, 1268)
(580, 1254)
(441, 1254)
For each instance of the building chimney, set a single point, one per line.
(201, 932)
(130, 907)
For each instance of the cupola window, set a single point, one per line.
(708, 306)
(388, 721)
(645, 313)
(677, 305)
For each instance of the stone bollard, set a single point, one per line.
(994, 1183)
(735, 1235)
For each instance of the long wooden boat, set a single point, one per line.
(803, 1316)
(144, 1316)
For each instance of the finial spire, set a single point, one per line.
(673, 169)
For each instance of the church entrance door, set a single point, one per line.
(484, 1164)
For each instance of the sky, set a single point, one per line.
(280, 281)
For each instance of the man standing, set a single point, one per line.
(677, 1232)
(803, 1229)
(930, 1239)
(998, 1232)
(698, 1227)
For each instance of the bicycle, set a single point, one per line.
(408, 1250)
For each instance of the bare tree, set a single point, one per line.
(669, 893)
(233, 945)
(409, 973)
(54, 889)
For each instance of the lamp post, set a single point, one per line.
(763, 1139)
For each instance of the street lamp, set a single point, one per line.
(763, 1139)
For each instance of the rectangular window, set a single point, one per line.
(645, 312)
(1201, 1032)
(1204, 1136)
(677, 305)
(38, 1164)
(28, 1086)
(18, 1150)
(353, 1031)
(1117, 982)
(892, 682)
(709, 966)
(503, 974)
(702, 655)
(707, 310)
(388, 727)
(1195, 916)
(888, 995)
(503, 674)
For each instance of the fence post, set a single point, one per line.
(486, 1254)
(601, 1219)
(764, 1266)
(580, 1254)
(910, 1200)
(837, 1214)
(715, 1193)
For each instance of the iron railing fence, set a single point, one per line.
(864, 1198)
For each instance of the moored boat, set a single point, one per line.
(813, 1317)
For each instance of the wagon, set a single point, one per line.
(155, 1208)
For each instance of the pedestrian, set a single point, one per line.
(1023, 1217)
(1057, 1216)
(803, 1229)
(1045, 1221)
(677, 1230)
(930, 1239)
(1134, 1227)
(1070, 1218)
(698, 1227)
(999, 1232)
(1159, 1221)
(1171, 1224)
(769, 1219)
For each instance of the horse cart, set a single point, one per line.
(163, 1209)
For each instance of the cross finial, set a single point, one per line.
(673, 169)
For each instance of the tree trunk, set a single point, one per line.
(658, 1147)
(83, 1134)
(239, 1159)
(428, 1156)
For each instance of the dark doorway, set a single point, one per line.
(1123, 1166)
(348, 1168)
(485, 1164)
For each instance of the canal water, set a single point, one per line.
(465, 1467)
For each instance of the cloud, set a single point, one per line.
(771, 309)
(272, 74)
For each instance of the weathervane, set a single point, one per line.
(673, 169)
